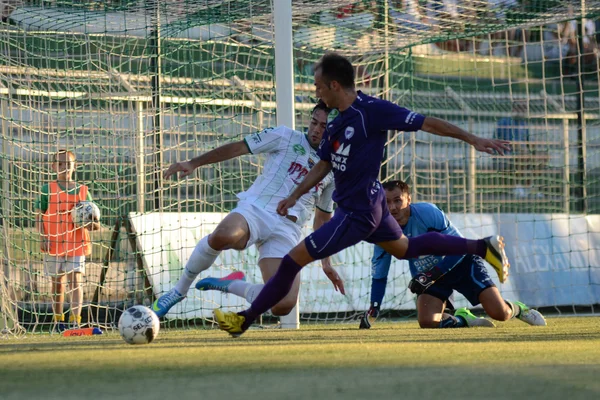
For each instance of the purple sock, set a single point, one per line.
(274, 290)
(437, 244)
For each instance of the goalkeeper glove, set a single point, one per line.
(423, 280)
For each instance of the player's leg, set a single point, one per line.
(53, 267)
(268, 268)
(233, 232)
(431, 315)
(470, 278)
(74, 269)
(337, 234)
(284, 235)
(58, 297)
(432, 303)
(433, 243)
(430, 312)
(380, 268)
(502, 310)
(270, 294)
(236, 284)
(75, 280)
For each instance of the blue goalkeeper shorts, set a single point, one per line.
(470, 277)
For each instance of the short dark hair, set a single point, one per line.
(391, 185)
(335, 67)
(320, 106)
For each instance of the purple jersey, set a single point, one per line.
(353, 143)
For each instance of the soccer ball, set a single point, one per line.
(85, 212)
(138, 325)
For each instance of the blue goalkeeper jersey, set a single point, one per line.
(424, 217)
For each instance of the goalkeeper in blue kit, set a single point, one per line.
(436, 277)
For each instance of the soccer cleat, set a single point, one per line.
(220, 284)
(164, 303)
(368, 318)
(472, 320)
(496, 256)
(529, 316)
(230, 322)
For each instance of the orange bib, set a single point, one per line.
(64, 238)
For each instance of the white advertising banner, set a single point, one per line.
(555, 260)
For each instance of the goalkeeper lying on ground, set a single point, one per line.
(466, 274)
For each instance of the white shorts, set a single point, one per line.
(273, 235)
(60, 265)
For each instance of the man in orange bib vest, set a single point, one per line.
(64, 244)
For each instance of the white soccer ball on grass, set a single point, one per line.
(138, 325)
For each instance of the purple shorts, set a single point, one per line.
(346, 229)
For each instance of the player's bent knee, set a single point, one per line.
(429, 324)
(279, 310)
(223, 240)
(499, 313)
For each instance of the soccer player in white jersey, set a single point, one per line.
(289, 156)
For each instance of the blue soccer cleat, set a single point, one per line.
(220, 284)
(165, 302)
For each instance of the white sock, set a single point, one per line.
(244, 289)
(252, 292)
(239, 288)
(201, 259)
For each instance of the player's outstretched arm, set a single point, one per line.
(444, 128)
(314, 176)
(221, 153)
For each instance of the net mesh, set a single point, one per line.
(132, 86)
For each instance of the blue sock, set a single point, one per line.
(274, 290)
(437, 244)
(377, 291)
(453, 321)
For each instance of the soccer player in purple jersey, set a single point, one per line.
(353, 148)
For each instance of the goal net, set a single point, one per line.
(132, 86)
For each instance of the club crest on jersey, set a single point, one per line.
(332, 115)
(349, 132)
(299, 149)
(311, 163)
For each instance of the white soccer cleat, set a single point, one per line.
(529, 316)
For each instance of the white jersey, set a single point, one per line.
(289, 157)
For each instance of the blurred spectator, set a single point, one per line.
(561, 41)
(524, 155)
(515, 129)
(497, 10)
(406, 16)
(7, 7)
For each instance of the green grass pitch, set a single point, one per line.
(390, 361)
